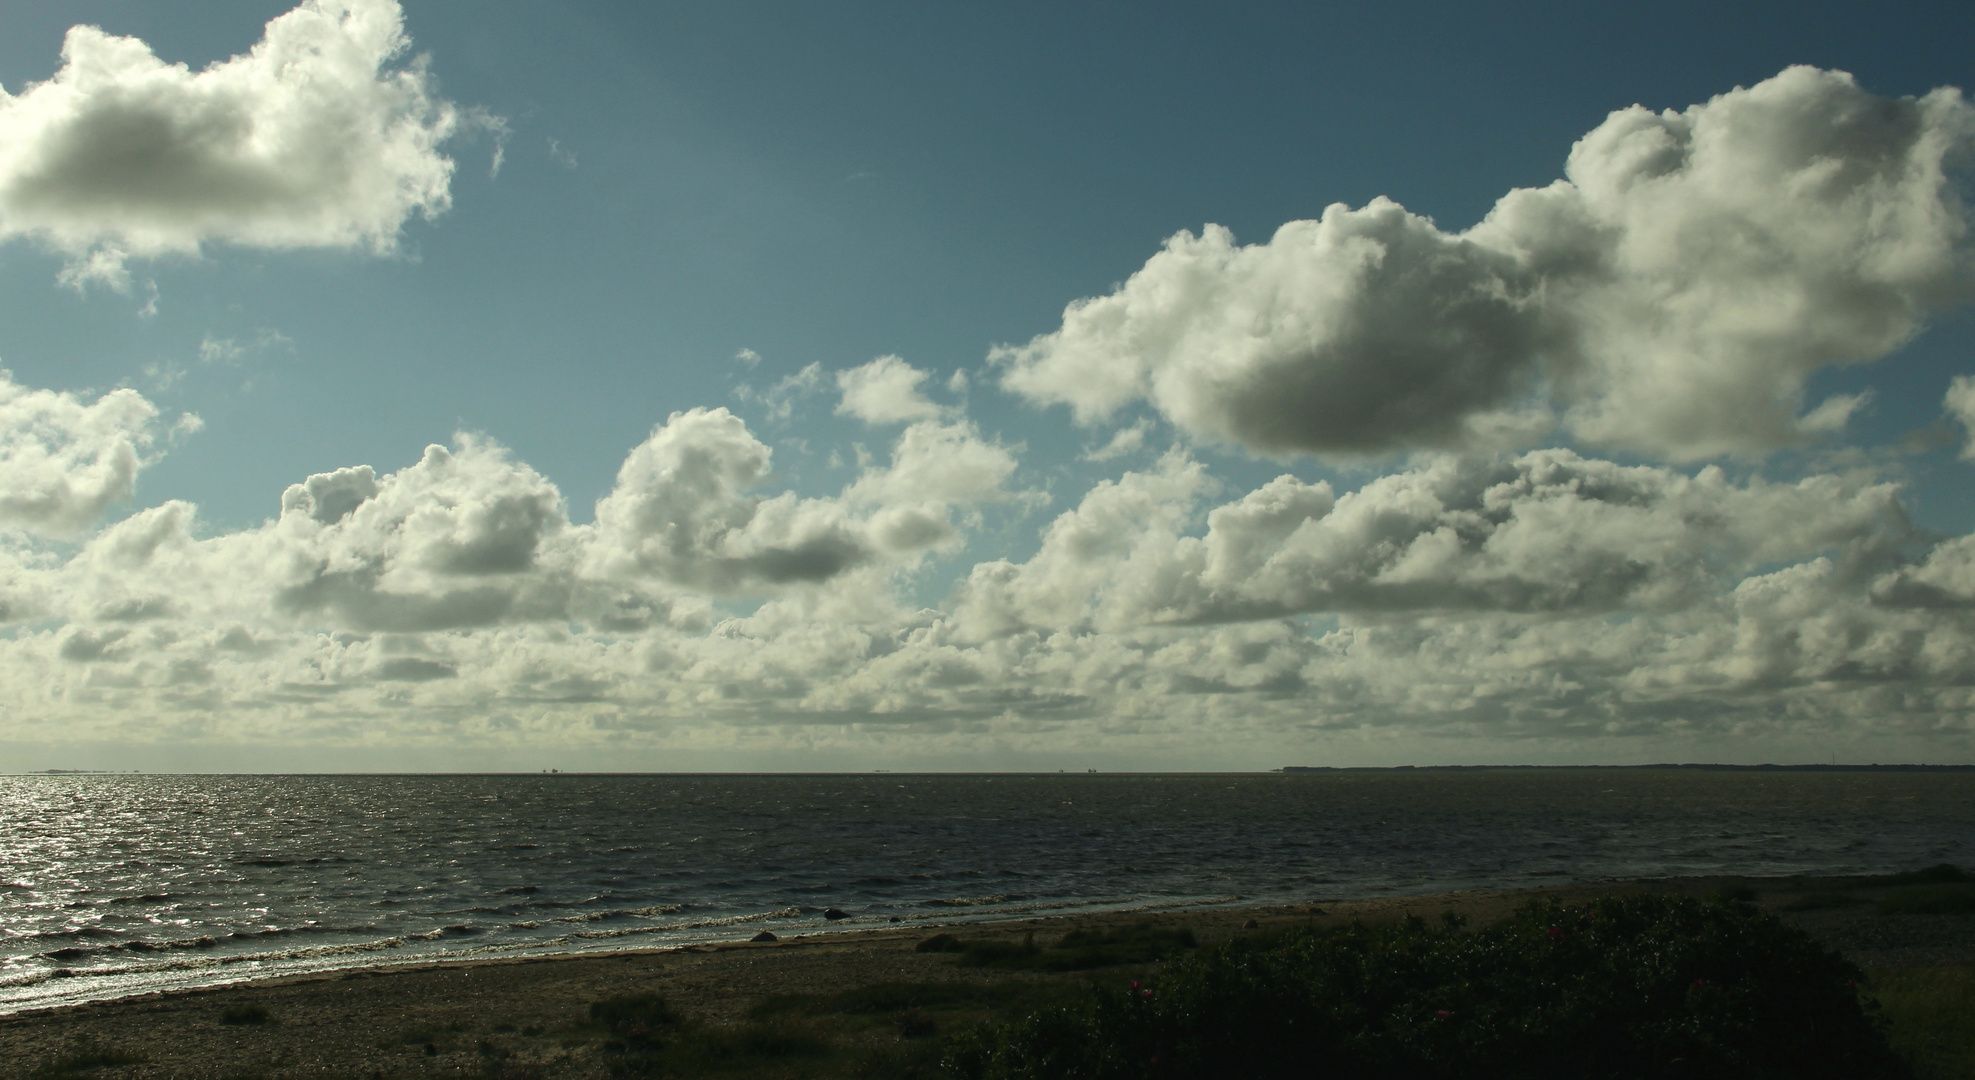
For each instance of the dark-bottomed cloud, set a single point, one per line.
(310, 139)
(1670, 296)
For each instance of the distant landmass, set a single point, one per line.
(1667, 765)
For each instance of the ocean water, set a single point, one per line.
(113, 885)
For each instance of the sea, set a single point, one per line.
(113, 885)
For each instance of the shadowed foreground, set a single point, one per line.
(1662, 984)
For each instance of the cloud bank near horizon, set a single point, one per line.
(1669, 299)
(1538, 596)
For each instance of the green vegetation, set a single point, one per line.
(1823, 901)
(1936, 890)
(1929, 900)
(884, 1031)
(1940, 874)
(1931, 1013)
(1078, 950)
(1633, 987)
(647, 1038)
(943, 1002)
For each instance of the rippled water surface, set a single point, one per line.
(119, 884)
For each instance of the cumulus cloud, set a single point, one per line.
(683, 510)
(1545, 596)
(1960, 404)
(884, 391)
(465, 537)
(935, 467)
(1123, 442)
(1546, 533)
(1945, 579)
(310, 139)
(1670, 296)
(1367, 330)
(63, 461)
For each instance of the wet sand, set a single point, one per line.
(495, 1018)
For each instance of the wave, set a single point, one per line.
(79, 933)
(698, 924)
(78, 952)
(645, 912)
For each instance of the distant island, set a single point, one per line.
(1669, 765)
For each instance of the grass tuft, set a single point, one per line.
(1931, 1018)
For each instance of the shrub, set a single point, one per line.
(1929, 900)
(1938, 874)
(1078, 950)
(1932, 1017)
(1822, 901)
(1618, 989)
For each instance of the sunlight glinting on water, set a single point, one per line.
(112, 885)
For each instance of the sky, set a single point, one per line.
(777, 386)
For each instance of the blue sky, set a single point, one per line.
(695, 205)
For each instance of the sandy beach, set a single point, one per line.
(524, 1018)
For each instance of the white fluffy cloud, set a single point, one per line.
(63, 461)
(1671, 296)
(1546, 533)
(310, 139)
(885, 391)
(683, 511)
(1960, 404)
(1536, 601)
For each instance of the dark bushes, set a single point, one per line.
(1618, 989)
(1929, 900)
(1078, 950)
(244, 1015)
(1938, 874)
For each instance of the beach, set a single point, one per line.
(525, 1018)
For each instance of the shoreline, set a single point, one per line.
(359, 1020)
(379, 958)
